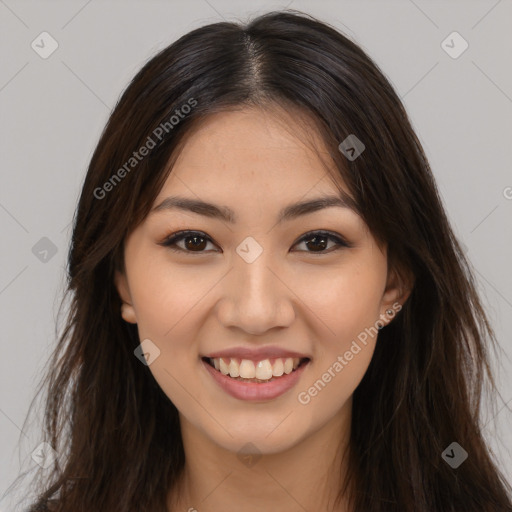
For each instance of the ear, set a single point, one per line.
(399, 285)
(127, 310)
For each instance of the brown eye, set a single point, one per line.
(196, 242)
(317, 242)
(193, 241)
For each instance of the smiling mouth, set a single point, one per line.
(246, 370)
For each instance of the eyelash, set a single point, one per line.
(171, 240)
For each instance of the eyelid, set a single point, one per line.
(170, 240)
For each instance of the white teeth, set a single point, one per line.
(247, 370)
(234, 369)
(224, 368)
(262, 370)
(278, 368)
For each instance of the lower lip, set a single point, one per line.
(254, 391)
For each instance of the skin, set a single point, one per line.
(191, 304)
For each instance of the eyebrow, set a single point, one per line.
(224, 213)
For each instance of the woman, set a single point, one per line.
(269, 310)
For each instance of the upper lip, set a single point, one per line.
(256, 354)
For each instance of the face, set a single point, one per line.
(269, 294)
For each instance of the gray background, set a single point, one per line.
(53, 111)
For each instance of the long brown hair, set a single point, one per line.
(118, 435)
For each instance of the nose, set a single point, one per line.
(255, 297)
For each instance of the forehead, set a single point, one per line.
(253, 151)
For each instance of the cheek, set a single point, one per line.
(167, 300)
(347, 300)
(350, 310)
(164, 295)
